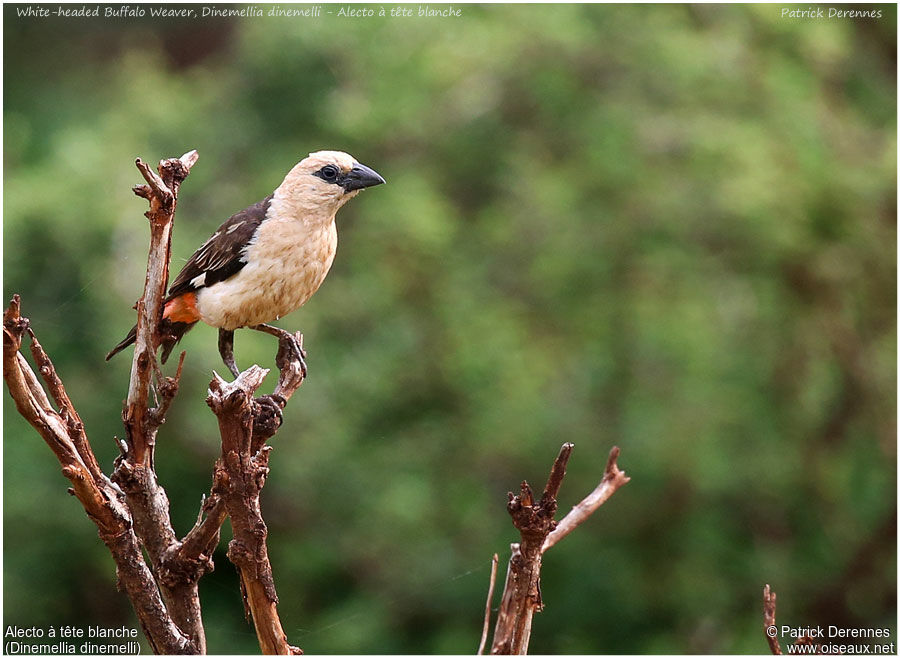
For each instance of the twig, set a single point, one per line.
(487, 606)
(201, 541)
(612, 480)
(770, 628)
(64, 404)
(157, 186)
(769, 602)
(168, 389)
(240, 476)
(509, 612)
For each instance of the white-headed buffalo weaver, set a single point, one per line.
(264, 261)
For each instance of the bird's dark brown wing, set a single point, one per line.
(222, 255)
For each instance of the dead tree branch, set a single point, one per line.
(613, 478)
(769, 601)
(239, 478)
(102, 500)
(487, 606)
(267, 419)
(134, 471)
(534, 520)
(162, 193)
(770, 628)
(522, 591)
(131, 509)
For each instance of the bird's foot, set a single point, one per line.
(289, 349)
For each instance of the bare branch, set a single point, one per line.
(101, 500)
(769, 602)
(508, 613)
(134, 470)
(159, 188)
(65, 406)
(612, 480)
(163, 196)
(203, 538)
(168, 389)
(131, 510)
(770, 628)
(240, 476)
(189, 159)
(558, 472)
(522, 592)
(199, 544)
(487, 605)
(143, 191)
(522, 589)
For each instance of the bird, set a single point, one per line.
(264, 261)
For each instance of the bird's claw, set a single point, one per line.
(289, 349)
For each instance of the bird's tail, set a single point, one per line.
(179, 315)
(169, 335)
(128, 340)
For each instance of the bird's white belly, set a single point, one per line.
(281, 274)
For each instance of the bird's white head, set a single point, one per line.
(325, 181)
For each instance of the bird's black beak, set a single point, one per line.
(361, 176)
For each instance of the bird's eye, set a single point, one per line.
(329, 173)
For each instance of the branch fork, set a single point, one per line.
(539, 531)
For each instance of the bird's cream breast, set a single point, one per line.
(287, 260)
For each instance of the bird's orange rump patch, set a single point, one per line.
(182, 309)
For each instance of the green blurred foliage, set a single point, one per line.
(667, 228)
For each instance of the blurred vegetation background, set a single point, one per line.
(668, 228)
